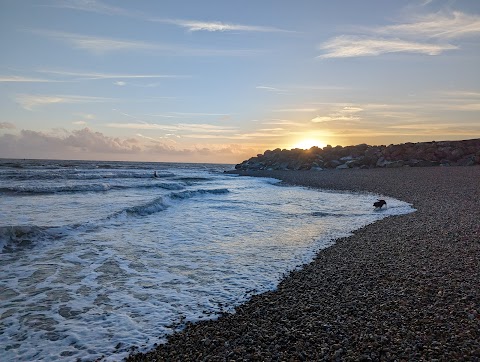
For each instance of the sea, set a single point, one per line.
(99, 259)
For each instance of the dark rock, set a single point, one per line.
(422, 154)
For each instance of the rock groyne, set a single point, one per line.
(421, 154)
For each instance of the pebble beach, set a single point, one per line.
(405, 288)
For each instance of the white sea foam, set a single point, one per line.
(92, 274)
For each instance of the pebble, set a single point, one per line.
(404, 288)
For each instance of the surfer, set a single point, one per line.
(155, 174)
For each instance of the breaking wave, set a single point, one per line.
(95, 187)
(82, 175)
(13, 237)
(161, 203)
(23, 236)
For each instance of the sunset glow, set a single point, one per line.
(306, 144)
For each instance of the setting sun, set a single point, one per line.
(309, 143)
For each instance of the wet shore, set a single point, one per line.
(403, 288)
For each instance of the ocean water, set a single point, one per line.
(101, 258)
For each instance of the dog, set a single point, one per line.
(378, 204)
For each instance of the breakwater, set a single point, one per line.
(421, 154)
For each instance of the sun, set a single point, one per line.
(306, 144)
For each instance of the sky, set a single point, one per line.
(221, 81)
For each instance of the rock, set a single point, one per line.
(467, 161)
(381, 162)
(333, 164)
(422, 154)
(395, 164)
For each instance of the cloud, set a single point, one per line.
(190, 25)
(211, 26)
(270, 89)
(7, 125)
(79, 123)
(260, 134)
(460, 129)
(21, 79)
(102, 45)
(295, 110)
(30, 101)
(426, 34)
(355, 46)
(93, 6)
(346, 114)
(446, 25)
(88, 144)
(98, 45)
(88, 116)
(84, 140)
(459, 94)
(57, 76)
(283, 122)
(97, 142)
(194, 114)
(189, 127)
(95, 76)
(352, 109)
(183, 115)
(334, 117)
(120, 83)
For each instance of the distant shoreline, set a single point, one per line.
(405, 287)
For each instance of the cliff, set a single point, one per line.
(421, 154)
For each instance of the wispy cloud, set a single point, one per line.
(283, 122)
(103, 45)
(22, 79)
(260, 134)
(92, 6)
(199, 114)
(355, 46)
(271, 89)
(98, 45)
(7, 125)
(30, 101)
(88, 116)
(190, 25)
(443, 25)
(429, 34)
(347, 113)
(295, 110)
(211, 26)
(79, 123)
(459, 94)
(190, 115)
(95, 76)
(188, 127)
(335, 117)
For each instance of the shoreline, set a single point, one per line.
(402, 288)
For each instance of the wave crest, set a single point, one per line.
(19, 236)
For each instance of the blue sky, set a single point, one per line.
(220, 81)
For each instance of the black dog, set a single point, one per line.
(379, 204)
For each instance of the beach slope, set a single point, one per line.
(403, 288)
